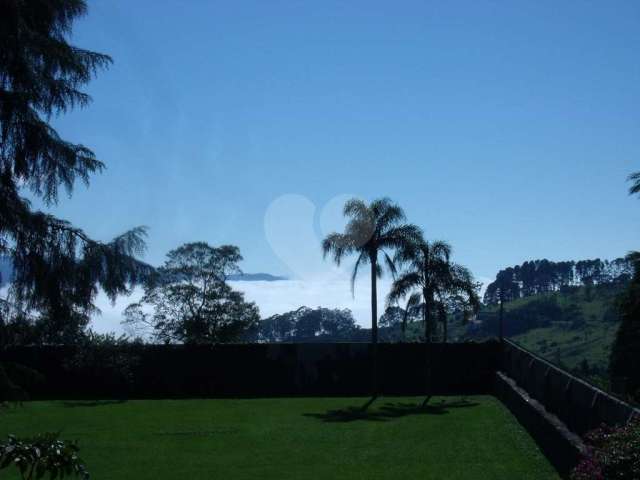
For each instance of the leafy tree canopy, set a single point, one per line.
(308, 325)
(190, 301)
(58, 269)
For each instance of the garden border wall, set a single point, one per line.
(579, 404)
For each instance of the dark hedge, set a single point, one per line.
(246, 370)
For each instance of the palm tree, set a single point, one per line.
(372, 230)
(444, 286)
(414, 303)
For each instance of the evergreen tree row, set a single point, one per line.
(543, 276)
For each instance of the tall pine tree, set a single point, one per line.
(58, 268)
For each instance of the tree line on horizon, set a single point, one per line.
(534, 277)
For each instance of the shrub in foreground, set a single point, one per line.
(613, 453)
(44, 456)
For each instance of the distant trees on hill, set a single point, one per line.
(537, 313)
(309, 325)
(326, 325)
(543, 276)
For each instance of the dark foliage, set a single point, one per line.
(538, 313)
(395, 321)
(107, 357)
(613, 453)
(191, 299)
(634, 178)
(44, 456)
(57, 268)
(543, 276)
(265, 370)
(308, 325)
(625, 354)
(16, 381)
(446, 288)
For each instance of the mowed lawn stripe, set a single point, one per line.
(290, 438)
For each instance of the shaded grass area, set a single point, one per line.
(333, 438)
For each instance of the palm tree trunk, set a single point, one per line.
(445, 332)
(374, 302)
(2, 333)
(501, 318)
(427, 317)
(404, 325)
(427, 339)
(374, 325)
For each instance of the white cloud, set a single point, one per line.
(112, 313)
(331, 290)
(321, 291)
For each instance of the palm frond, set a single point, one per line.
(362, 258)
(386, 213)
(441, 249)
(355, 207)
(635, 187)
(400, 237)
(338, 245)
(414, 300)
(404, 284)
(390, 264)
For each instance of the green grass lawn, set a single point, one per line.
(290, 438)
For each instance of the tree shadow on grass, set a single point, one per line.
(91, 403)
(389, 411)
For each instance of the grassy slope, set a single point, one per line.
(289, 439)
(570, 347)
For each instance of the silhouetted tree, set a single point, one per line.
(191, 300)
(444, 286)
(307, 325)
(373, 230)
(542, 276)
(395, 316)
(625, 353)
(57, 268)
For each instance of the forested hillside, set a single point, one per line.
(544, 276)
(574, 327)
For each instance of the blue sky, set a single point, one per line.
(506, 128)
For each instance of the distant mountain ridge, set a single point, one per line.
(255, 277)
